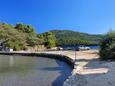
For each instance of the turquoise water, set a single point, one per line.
(32, 71)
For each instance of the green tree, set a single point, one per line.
(49, 39)
(25, 28)
(12, 39)
(18, 37)
(107, 46)
(31, 37)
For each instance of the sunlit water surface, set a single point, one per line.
(32, 71)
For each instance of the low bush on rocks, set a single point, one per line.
(107, 46)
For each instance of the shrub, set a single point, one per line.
(18, 37)
(107, 46)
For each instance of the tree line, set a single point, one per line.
(72, 42)
(52, 39)
(19, 36)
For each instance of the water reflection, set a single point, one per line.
(32, 71)
(11, 61)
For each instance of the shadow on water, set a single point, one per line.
(64, 72)
(28, 71)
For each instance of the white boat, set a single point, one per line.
(83, 48)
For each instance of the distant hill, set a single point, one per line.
(63, 36)
(68, 37)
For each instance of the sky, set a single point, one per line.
(90, 16)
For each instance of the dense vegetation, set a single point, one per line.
(107, 46)
(18, 37)
(21, 36)
(48, 38)
(67, 37)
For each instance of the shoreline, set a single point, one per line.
(64, 58)
(60, 57)
(88, 69)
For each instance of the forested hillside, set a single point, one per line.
(68, 37)
(20, 36)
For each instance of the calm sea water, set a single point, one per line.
(32, 71)
(94, 47)
(73, 47)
